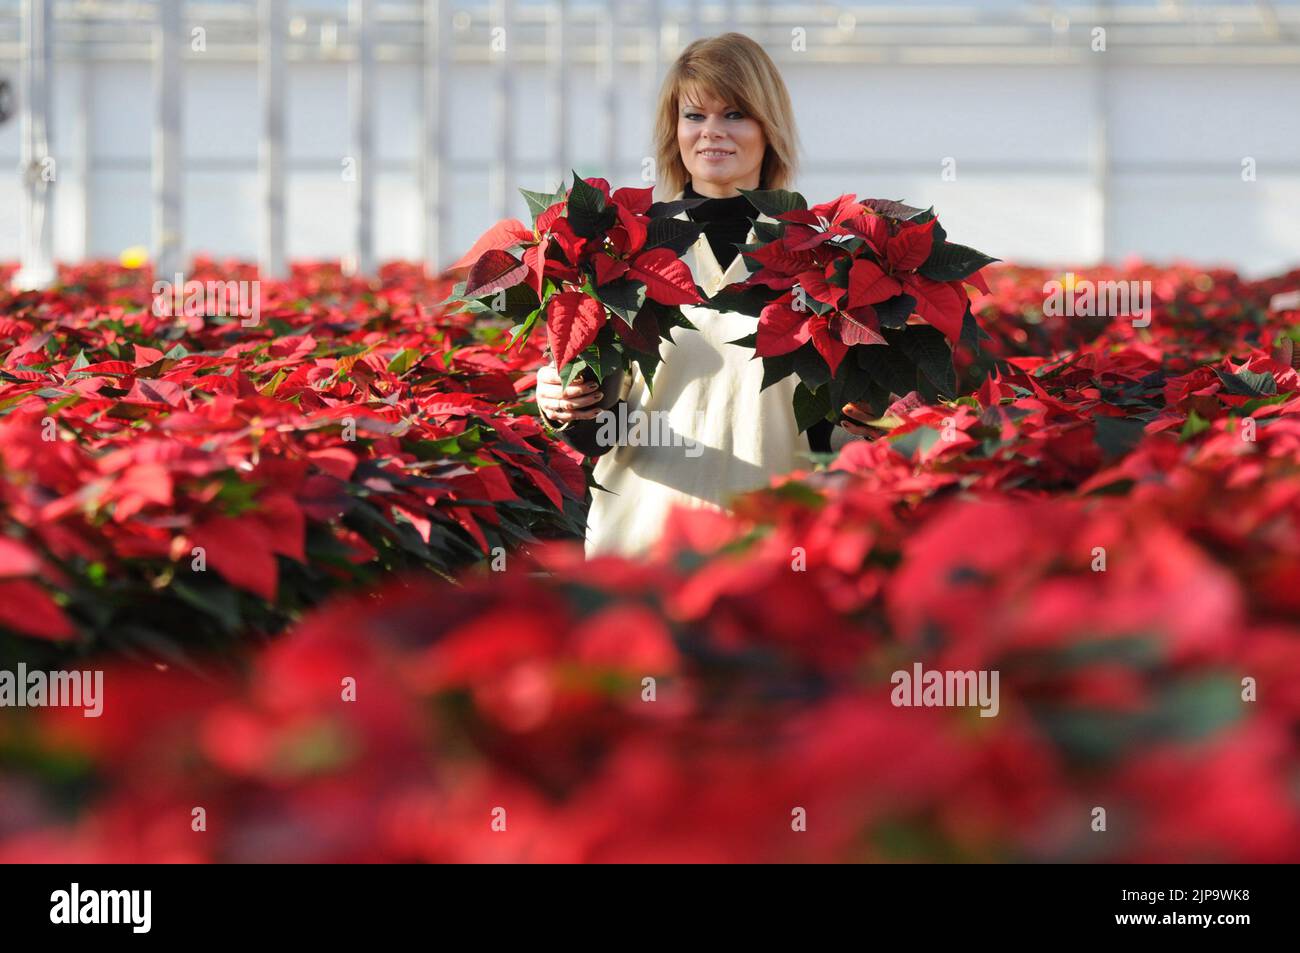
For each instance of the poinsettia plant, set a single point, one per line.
(174, 485)
(860, 298)
(601, 271)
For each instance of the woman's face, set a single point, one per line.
(721, 147)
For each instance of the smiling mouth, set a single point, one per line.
(715, 153)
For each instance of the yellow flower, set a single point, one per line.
(134, 257)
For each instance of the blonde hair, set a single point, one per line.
(735, 69)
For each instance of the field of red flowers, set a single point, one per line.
(173, 485)
(1110, 520)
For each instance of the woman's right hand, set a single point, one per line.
(560, 404)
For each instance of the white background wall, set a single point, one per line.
(1022, 138)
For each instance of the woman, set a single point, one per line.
(724, 123)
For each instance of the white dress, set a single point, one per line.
(723, 434)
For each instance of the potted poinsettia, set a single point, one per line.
(860, 298)
(600, 271)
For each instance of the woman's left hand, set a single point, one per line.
(854, 419)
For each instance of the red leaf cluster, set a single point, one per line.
(586, 239)
(850, 256)
(169, 459)
(1114, 529)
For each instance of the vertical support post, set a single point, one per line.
(609, 89)
(85, 161)
(271, 14)
(649, 174)
(433, 139)
(502, 42)
(166, 164)
(359, 95)
(557, 74)
(1101, 158)
(38, 169)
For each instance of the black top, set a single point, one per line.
(726, 222)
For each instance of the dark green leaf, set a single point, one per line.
(775, 202)
(765, 232)
(811, 367)
(850, 383)
(1244, 383)
(776, 369)
(659, 210)
(971, 333)
(750, 301)
(890, 367)
(623, 296)
(537, 202)
(586, 210)
(929, 351)
(949, 261)
(895, 312)
(915, 442)
(810, 407)
(1117, 436)
(673, 233)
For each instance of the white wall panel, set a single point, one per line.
(1022, 137)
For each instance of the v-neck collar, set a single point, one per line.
(708, 274)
